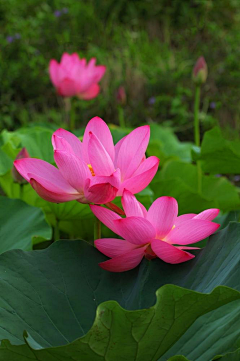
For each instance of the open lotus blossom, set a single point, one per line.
(94, 170)
(158, 232)
(73, 76)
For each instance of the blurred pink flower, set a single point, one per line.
(74, 77)
(92, 171)
(200, 71)
(121, 96)
(15, 174)
(157, 232)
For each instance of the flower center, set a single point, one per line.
(148, 253)
(91, 169)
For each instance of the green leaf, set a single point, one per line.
(19, 223)
(230, 356)
(57, 291)
(219, 155)
(165, 145)
(179, 180)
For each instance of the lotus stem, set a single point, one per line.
(72, 116)
(121, 117)
(197, 134)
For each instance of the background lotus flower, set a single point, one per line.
(157, 232)
(15, 174)
(200, 71)
(121, 96)
(92, 171)
(74, 77)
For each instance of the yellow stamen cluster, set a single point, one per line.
(91, 169)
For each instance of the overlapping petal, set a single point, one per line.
(72, 168)
(169, 253)
(113, 247)
(208, 214)
(100, 129)
(162, 215)
(99, 158)
(132, 151)
(124, 262)
(136, 230)
(60, 139)
(191, 231)
(50, 192)
(106, 216)
(142, 177)
(131, 205)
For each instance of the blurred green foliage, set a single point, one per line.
(148, 47)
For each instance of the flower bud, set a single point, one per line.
(200, 71)
(121, 96)
(17, 176)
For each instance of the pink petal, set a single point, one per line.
(53, 72)
(73, 169)
(191, 231)
(132, 150)
(162, 215)
(106, 216)
(114, 179)
(66, 60)
(183, 218)
(136, 230)
(117, 149)
(91, 93)
(32, 168)
(169, 253)
(67, 88)
(99, 158)
(99, 128)
(131, 205)
(58, 142)
(50, 192)
(208, 214)
(99, 72)
(75, 58)
(102, 192)
(124, 262)
(142, 177)
(113, 247)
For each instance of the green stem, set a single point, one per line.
(97, 229)
(197, 134)
(21, 191)
(196, 117)
(72, 116)
(56, 232)
(121, 117)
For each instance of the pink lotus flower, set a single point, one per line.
(73, 76)
(92, 171)
(157, 232)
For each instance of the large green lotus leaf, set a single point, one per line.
(165, 145)
(219, 155)
(230, 356)
(141, 335)
(19, 223)
(179, 180)
(53, 294)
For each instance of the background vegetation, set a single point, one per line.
(148, 47)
